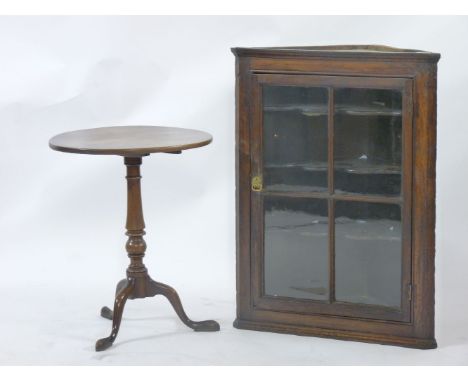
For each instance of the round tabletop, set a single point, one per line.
(129, 140)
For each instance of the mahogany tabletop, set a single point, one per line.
(129, 140)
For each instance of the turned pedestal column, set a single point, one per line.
(138, 283)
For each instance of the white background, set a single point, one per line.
(62, 215)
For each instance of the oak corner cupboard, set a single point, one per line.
(335, 192)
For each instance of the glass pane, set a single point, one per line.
(368, 143)
(296, 248)
(295, 138)
(368, 253)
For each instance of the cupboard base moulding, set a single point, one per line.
(409, 342)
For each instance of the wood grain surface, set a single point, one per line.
(129, 140)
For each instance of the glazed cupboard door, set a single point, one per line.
(331, 195)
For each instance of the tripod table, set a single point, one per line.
(133, 143)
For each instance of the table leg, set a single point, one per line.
(105, 311)
(119, 303)
(171, 294)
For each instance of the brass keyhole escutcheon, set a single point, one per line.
(257, 183)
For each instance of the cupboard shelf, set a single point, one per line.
(347, 167)
(322, 110)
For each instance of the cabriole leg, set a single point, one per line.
(170, 293)
(119, 304)
(107, 312)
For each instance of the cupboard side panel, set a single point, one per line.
(243, 295)
(424, 176)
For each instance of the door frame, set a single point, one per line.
(262, 302)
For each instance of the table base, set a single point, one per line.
(138, 283)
